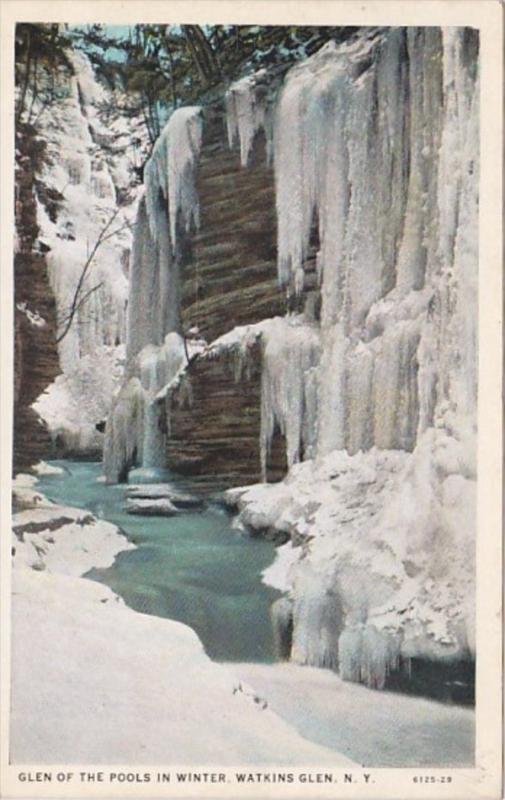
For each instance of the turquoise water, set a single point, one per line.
(192, 567)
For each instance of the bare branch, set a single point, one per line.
(76, 298)
(80, 303)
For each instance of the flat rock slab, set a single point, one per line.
(154, 507)
(163, 491)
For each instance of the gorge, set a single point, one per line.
(279, 318)
(358, 376)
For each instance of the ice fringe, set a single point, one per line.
(290, 349)
(246, 112)
(366, 655)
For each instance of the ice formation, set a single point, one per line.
(155, 350)
(377, 398)
(88, 240)
(246, 112)
(171, 171)
(124, 431)
(134, 432)
(386, 510)
(158, 366)
(168, 210)
(153, 299)
(290, 352)
(288, 388)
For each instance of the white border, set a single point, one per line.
(485, 780)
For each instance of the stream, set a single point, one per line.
(193, 567)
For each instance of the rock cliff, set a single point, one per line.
(35, 355)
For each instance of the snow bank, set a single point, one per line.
(67, 541)
(383, 565)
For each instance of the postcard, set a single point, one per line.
(251, 399)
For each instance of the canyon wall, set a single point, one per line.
(35, 355)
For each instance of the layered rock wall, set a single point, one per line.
(213, 416)
(35, 354)
(233, 254)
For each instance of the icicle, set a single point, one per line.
(367, 655)
(171, 171)
(317, 621)
(290, 353)
(246, 110)
(153, 306)
(158, 366)
(282, 622)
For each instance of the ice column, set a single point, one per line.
(158, 366)
(288, 393)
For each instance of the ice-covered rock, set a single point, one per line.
(163, 491)
(150, 507)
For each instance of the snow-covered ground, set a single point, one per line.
(376, 729)
(366, 578)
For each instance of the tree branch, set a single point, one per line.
(76, 298)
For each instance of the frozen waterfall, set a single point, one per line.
(155, 349)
